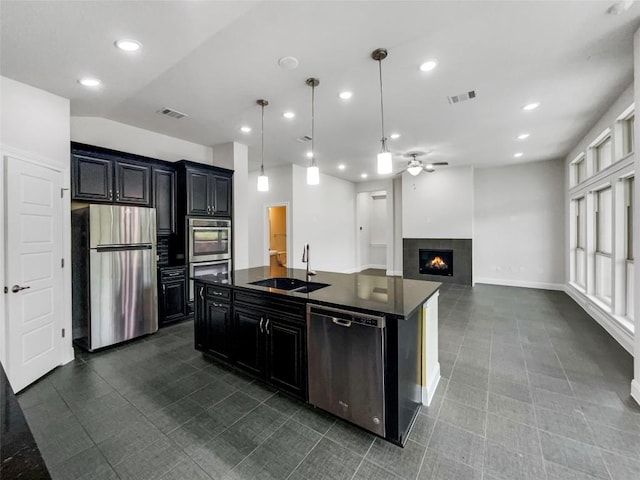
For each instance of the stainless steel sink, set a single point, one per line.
(290, 284)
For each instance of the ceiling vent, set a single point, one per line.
(169, 112)
(462, 97)
(304, 139)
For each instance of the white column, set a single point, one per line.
(235, 156)
(635, 384)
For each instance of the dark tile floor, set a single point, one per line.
(532, 388)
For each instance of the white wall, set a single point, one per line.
(126, 138)
(325, 217)
(518, 225)
(34, 125)
(280, 192)
(438, 204)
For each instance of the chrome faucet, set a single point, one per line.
(305, 259)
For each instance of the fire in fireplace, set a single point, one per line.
(436, 262)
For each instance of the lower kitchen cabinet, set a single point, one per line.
(172, 295)
(260, 341)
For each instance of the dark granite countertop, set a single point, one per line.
(19, 454)
(387, 295)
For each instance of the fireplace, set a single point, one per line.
(461, 273)
(435, 262)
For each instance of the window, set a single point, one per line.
(628, 137)
(579, 167)
(580, 232)
(603, 154)
(603, 224)
(629, 196)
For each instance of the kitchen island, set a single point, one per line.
(265, 331)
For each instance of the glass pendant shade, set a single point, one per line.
(385, 164)
(263, 182)
(313, 175)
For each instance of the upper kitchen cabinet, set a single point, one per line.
(101, 175)
(164, 193)
(206, 190)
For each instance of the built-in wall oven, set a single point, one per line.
(209, 240)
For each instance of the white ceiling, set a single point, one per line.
(212, 60)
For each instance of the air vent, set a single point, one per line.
(462, 97)
(169, 112)
(304, 139)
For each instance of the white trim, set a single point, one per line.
(521, 283)
(429, 390)
(630, 110)
(394, 273)
(635, 390)
(350, 270)
(617, 330)
(600, 138)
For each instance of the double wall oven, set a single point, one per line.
(209, 249)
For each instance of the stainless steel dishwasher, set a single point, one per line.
(346, 365)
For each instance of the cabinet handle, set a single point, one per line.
(202, 293)
(110, 194)
(218, 293)
(261, 320)
(164, 289)
(266, 326)
(118, 195)
(217, 304)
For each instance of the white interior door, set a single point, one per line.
(34, 271)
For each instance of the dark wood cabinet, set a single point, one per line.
(105, 178)
(172, 295)
(248, 342)
(285, 355)
(207, 190)
(218, 315)
(92, 178)
(164, 192)
(271, 346)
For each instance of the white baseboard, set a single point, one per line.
(617, 331)
(520, 283)
(394, 273)
(635, 390)
(430, 389)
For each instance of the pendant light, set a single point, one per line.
(313, 172)
(263, 180)
(385, 164)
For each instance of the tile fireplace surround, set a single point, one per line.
(462, 263)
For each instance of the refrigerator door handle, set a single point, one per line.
(117, 248)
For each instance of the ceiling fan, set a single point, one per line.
(415, 166)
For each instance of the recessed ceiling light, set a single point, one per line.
(531, 106)
(288, 114)
(394, 136)
(345, 95)
(288, 63)
(89, 82)
(128, 45)
(245, 129)
(518, 155)
(364, 175)
(428, 65)
(309, 154)
(523, 136)
(342, 166)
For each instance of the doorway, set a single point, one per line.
(278, 239)
(372, 230)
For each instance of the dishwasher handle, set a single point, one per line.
(342, 322)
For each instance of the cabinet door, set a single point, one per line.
(285, 356)
(218, 319)
(222, 195)
(174, 300)
(248, 341)
(198, 201)
(200, 320)
(92, 179)
(133, 183)
(164, 193)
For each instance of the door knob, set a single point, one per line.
(17, 288)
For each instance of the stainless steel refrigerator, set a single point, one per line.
(115, 294)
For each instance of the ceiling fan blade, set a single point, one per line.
(437, 164)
